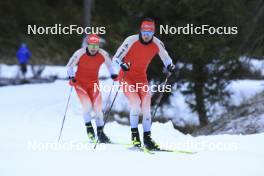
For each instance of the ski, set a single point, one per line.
(145, 150)
(175, 151)
(161, 150)
(127, 146)
(94, 142)
(141, 149)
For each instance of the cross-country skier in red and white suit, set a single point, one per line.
(134, 56)
(85, 81)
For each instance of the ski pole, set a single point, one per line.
(109, 110)
(161, 95)
(108, 98)
(64, 117)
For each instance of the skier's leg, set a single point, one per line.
(146, 111)
(85, 102)
(97, 107)
(149, 143)
(24, 70)
(134, 102)
(145, 99)
(87, 107)
(135, 109)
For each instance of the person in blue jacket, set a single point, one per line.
(23, 55)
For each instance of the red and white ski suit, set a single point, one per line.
(139, 56)
(87, 82)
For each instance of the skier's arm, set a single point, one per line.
(123, 49)
(28, 54)
(108, 62)
(72, 63)
(166, 59)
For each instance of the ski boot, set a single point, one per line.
(90, 131)
(149, 143)
(135, 137)
(102, 138)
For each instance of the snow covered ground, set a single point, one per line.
(178, 110)
(30, 120)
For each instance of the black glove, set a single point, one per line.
(72, 78)
(171, 68)
(114, 77)
(124, 66)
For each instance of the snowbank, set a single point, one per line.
(242, 90)
(12, 71)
